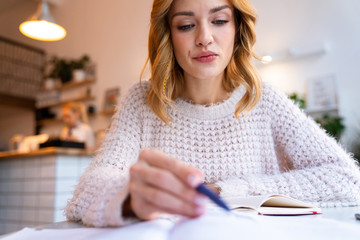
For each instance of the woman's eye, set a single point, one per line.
(220, 22)
(186, 27)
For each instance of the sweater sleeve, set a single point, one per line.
(314, 166)
(101, 191)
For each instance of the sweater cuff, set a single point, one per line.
(113, 210)
(233, 188)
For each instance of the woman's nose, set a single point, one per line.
(204, 35)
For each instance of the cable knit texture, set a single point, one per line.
(275, 149)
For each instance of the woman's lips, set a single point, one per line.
(206, 57)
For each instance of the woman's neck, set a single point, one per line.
(204, 91)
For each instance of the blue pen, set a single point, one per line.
(210, 194)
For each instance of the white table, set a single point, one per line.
(342, 217)
(340, 214)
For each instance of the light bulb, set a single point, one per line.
(42, 30)
(266, 59)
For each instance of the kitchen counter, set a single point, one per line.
(47, 151)
(35, 186)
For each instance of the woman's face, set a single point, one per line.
(70, 117)
(203, 34)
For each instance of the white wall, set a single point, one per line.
(291, 23)
(114, 34)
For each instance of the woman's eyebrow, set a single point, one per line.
(217, 9)
(185, 13)
(191, 14)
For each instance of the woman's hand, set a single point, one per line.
(160, 183)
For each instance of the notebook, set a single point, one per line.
(273, 205)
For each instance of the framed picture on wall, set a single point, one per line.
(111, 99)
(321, 93)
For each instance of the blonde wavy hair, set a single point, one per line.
(79, 108)
(164, 66)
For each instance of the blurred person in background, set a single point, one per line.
(77, 127)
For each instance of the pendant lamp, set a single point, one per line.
(42, 26)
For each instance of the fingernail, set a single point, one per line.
(200, 200)
(193, 180)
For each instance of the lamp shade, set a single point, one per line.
(42, 26)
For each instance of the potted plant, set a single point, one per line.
(78, 66)
(299, 101)
(67, 70)
(332, 124)
(60, 69)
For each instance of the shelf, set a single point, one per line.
(75, 84)
(87, 98)
(50, 121)
(322, 110)
(55, 120)
(70, 84)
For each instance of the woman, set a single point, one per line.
(210, 119)
(77, 128)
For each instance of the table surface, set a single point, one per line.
(342, 214)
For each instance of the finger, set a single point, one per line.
(143, 209)
(147, 211)
(164, 180)
(165, 202)
(189, 175)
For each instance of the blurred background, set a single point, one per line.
(309, 49)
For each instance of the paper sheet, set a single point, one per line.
(212, 226)
(157, 229)
(229, 227)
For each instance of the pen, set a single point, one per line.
(210, 194)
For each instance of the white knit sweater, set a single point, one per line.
(274, 149)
